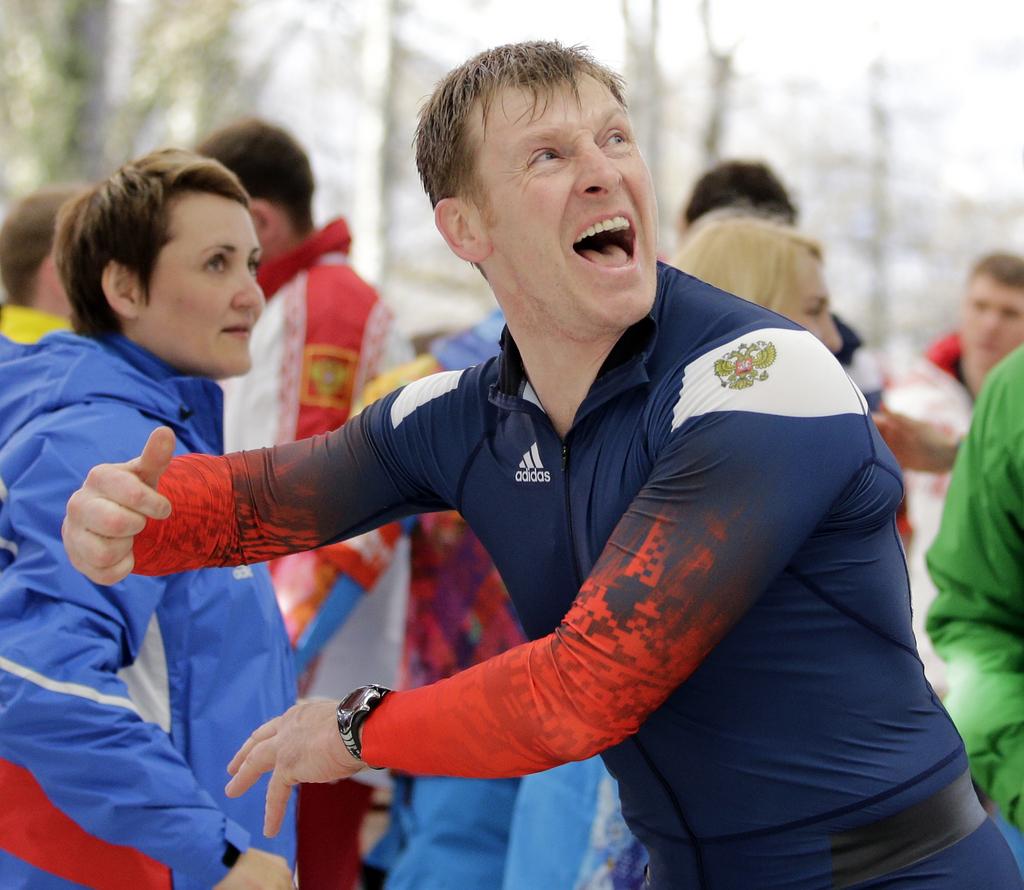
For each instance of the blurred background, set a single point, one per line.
(898, 125)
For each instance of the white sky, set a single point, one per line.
(956, 77)
(967, 57)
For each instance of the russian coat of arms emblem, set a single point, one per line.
(745, 365)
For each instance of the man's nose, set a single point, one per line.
(989, 323)
(598, 172)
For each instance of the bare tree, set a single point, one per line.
(375, 157)
(721, 63)
(643, 75)
(53, 81)
(185, 76)
(880, 237)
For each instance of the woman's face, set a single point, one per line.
(203, 296)
(810, 304)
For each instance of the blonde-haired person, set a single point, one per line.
(768, 263)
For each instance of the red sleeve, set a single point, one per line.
(200, 531)
(241, 508)
(253, 506)
(627, 642)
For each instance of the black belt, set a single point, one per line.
(909, 836)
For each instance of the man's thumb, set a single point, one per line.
(150, 465)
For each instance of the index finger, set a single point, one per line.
(261, 733)
(261, 759)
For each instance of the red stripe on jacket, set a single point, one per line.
(35, 831)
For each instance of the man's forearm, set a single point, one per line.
(202, 528)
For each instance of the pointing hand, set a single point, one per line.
(112, 507)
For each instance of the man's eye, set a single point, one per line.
(548, 154)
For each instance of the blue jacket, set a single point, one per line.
(122, 704)
(722, 499)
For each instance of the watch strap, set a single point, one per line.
(352, 713)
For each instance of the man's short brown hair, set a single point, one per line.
(125, 219)
(26, 239)
(750, 186)
(444, 155)
(1006, 268)
(270, 163)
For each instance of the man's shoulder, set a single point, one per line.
(694, 317)
(337, 276)
(767, 370)
(462, 393)
(1009, 373)
(1001, 398)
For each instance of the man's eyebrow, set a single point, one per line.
(551, 132)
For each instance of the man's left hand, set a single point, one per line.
(302, 745)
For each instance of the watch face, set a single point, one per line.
(361, 698)
(353, 710)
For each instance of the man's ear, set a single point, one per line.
(265, 219)
(123, 290)
(461, 224)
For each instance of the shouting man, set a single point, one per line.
(685, 495)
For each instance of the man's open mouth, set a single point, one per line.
(607, 243)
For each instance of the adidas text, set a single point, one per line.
(533, 476)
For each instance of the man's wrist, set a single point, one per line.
(351, 714)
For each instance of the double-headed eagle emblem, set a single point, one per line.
(744, 366)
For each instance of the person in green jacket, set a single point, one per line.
(977, 563)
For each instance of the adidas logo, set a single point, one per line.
(530, 467)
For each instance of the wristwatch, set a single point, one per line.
(353, 710)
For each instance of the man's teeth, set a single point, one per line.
(608, 225)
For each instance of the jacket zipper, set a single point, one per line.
(568, 515)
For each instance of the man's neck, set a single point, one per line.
(973, 375)
(561, 372)
(285, 243)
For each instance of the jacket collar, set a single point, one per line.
(332, 238)
(196, 408)
(624, 368)
(945, 354)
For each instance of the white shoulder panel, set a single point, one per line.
(419, 392)
(769, 371)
